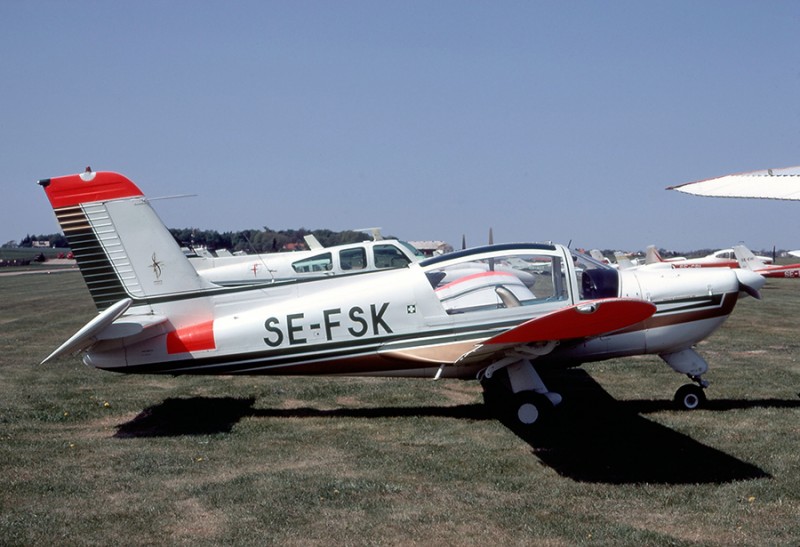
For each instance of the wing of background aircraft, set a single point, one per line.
(781, 183)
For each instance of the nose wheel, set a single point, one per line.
(690, 397)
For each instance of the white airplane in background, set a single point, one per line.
(318, 261)
(749, 261)
(159, 316)
(724, 258)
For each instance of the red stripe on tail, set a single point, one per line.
(88, 187)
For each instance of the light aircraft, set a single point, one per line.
(318, 261)
(723, 258)
(653, 258)
(749, 261)
(158, 316)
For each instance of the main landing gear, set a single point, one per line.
(514, 389)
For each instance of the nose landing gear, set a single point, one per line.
(690, 397)
(687, 361)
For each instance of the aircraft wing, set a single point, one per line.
(765, 184)
(584, 320)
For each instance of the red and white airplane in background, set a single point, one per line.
(749, 261)
(724, 258)
(157, 315)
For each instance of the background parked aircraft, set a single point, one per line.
(318, 261)
(753, 263)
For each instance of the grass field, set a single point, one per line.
(91, 457)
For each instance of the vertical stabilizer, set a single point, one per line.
(122, 248)
(747, 260)
(653, 256)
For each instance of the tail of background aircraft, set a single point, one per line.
(747, 259)
(653, 256)
(121, 246)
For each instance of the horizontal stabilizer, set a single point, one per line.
(88, 334)
(130, 326)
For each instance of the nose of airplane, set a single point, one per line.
(750, 282)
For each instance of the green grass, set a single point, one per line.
(91, 457)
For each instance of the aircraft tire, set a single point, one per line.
(531, 409)
(690, 397)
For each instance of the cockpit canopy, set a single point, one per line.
(513, 275)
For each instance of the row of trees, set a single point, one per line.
(261, 241)
(250, 241)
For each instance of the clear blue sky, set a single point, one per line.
(543, 120)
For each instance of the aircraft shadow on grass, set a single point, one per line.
(592, 438)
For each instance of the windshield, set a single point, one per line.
(413, 250)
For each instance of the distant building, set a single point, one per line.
(40, 244)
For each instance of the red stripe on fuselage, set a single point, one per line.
(73, 190)
(198, 337)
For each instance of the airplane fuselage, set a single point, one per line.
(353, 325)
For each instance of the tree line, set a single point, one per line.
(250, 241)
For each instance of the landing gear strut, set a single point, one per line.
(520, 392)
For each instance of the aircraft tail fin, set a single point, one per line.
(747, 260)
(597, 255)
(623, 261)
(313, 243)
(122, 248)
(653, 256)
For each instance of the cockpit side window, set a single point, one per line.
(319, 263)
(353, 259)
(389, 256)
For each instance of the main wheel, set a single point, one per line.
(690, 397)
(531, 408)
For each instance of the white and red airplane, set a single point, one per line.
(318, 261)
(749, 261)
(723, 258)
(158, 316)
